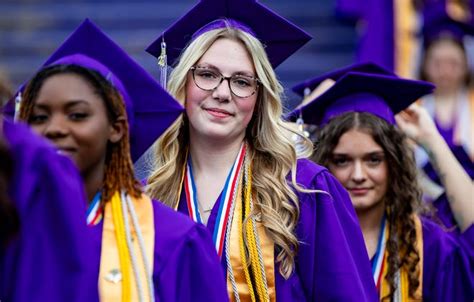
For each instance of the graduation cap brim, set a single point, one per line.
(150, 108)
(387, 96)
(367, 67)
(280, 37)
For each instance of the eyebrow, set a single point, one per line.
(210, 66)
(380, 152)
(69, 104)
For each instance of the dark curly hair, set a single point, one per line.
(9, 219)
(403, 196)
(118, 163)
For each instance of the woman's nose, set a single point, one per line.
(358, 174)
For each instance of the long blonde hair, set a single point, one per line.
(271, 150)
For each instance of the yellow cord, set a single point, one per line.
(257, 276)
(252, 244)
(117, 216)
(242, 253)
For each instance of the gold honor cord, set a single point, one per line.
(255, 269)
(123, 250)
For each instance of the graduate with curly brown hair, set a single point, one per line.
(412, 257)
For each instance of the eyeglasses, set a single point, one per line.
(209, 79)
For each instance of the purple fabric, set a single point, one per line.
(467, 241)
(281, 40)
(378, 93)
(377, 42)
(332, 263)
(221, 23)
(458, 151)
(367, 67)
(437, 23)
(446, 217)
(183, 253)
(49, 258)
(447, 272)
(351, 10)
(359, 102)
(446, 133)
(441, 204)
(376, 27)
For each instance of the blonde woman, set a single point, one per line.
(284, 228)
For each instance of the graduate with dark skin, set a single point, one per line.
(88, 106)
(41, 236)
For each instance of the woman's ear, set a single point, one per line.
(117, 129)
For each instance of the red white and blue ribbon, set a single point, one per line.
(94, 212)
(379, 257)
(225, 202)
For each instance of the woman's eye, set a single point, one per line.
(340, 162)
(37, 118)
(375, 160)
(207, 74)
(78, 116)
(242, 82)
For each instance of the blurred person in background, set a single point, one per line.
(451, 105)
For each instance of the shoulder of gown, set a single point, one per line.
(447, 273)
(186, 265)
(53, 242)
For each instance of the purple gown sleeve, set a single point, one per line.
(48, 259)
(467, 242)
(447, 273)
(332, 262)
(186, 266)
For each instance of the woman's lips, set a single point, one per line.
(359, 191)
(218, 112)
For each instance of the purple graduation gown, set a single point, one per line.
(447, 273)
(441, 204)
(48, 260)
(183, 254)
(332, 262)
(377, 41)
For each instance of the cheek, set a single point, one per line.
(246, 108)
(342, 175)
(194, 96)
(380, 176)
(38, 129)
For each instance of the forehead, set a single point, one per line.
(66, 86)
(228, 55)
(357, 142)
(446, 47)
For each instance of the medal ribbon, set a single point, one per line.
(377, 265)
(94, 211)
(225, 203)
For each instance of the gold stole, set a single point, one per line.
(404, 283)
(406, 42)
(267, 248)
(110, 289)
